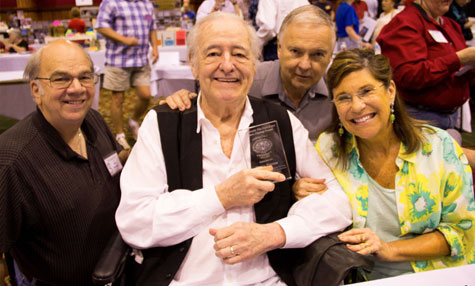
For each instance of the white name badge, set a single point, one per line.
(438, 36)
(113, 163)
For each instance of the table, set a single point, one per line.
(457, 276)
(168, 78)
(15, 95)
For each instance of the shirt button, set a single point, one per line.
(182, 249)
(168, 275)
(230, 276)
(214, 217)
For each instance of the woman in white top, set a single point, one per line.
(388, 13)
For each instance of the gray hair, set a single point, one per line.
(195, 33)
(32, 69)
(307, 14)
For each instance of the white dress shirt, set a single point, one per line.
(270, 14)
(150, 216)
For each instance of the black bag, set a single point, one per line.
(110, 267)
(327, 261)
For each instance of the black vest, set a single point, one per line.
(182, 149)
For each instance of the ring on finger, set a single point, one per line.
(231, 248)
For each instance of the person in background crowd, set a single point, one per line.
(59, 174)
(306, 43)
(373, 6)
(13, 21)
(186, 13)
(326, 6)
(389, 11)
(347, 25)
(426, 51)
(130, 29)
(210, 6)
(270, 14)
(409, 183)
(360, 8)
(457, 13)
(237, 223)
(253, 5)
(76, 24)
(15, 42)
(401, 5)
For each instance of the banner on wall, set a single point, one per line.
(83, 2)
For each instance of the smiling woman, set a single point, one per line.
(397, 172)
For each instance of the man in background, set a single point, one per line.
(130, 28)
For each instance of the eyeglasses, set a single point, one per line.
(62, 81)
(364, 94)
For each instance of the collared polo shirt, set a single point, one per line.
(56, 207)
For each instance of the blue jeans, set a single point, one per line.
(442, 120)
(20, 279)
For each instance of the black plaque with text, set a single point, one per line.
(267, 148)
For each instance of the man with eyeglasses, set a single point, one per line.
(59, 174)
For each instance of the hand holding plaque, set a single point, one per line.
(267, 148)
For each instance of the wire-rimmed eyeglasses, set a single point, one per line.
(364, 94)
(62, 81)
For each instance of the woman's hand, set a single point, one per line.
(308, 186)
(366, 242)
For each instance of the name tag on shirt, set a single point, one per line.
(438, 36)
(113, 163)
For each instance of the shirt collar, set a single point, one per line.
(246, 118)
(273, 86)
(52, 136)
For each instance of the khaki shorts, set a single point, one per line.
(120, 79)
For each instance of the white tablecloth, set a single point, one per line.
(166, 79)
(460, 276)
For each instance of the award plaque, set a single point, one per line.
(267, 148)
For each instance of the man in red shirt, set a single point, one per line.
(76, 23)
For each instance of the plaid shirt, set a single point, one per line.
(131, 19)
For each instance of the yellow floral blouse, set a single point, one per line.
(433, 191)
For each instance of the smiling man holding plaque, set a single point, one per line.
(190, 199)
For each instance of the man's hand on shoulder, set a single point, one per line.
(244, 241)
(180, 99)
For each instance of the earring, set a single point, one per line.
(392, 117)
(341, 130)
